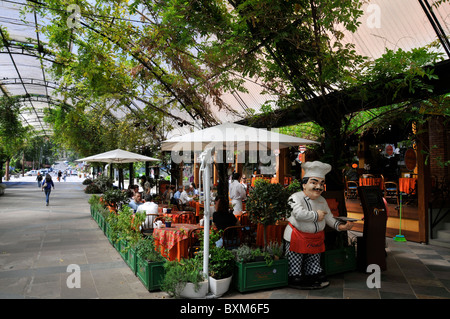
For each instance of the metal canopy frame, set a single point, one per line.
(24, 60)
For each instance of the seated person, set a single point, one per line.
(185, 199)
(193, 189)
(151, 210)
(136, 201)
(223, 217)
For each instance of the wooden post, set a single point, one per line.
(196, 169)
(423, 182)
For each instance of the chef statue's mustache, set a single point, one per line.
(319, 189)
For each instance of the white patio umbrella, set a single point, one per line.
(225, 137)
(117, 156)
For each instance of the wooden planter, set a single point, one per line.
(150, 274)
(257, 275)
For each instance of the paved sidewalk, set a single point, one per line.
(38, 243)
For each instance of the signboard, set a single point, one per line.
(410, 159)
(389, 150)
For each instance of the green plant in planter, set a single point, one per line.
(221, 262)
(115, 198)
(179, 273)
(268, 203)
(125, 225)
(145, 250)
(275, 249)
(245, 254)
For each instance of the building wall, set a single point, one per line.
(439, 141)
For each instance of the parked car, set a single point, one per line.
(33, 172)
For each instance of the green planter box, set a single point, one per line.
(150, 274)
(122, 252)
(131, 259)
(257, 275)
(100, 221)
(108, 234)
(339, 260)
(116, 245)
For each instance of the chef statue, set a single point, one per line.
(304, 234)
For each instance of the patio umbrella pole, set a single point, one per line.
(206, 169)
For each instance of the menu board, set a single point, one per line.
(371, 197)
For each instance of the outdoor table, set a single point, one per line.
(173, 242)
(179, 218)
(377, 181)
(274, 233)
(407, 184)
(197, 205)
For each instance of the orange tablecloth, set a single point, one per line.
(173, 242)
(180, 218)
(371, 182)
(197, 206)
(274, 233)
(407, 184)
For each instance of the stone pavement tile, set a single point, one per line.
(396, 295)
(330, 292)
(111, 284)
(13, 287)
(44, 286)
(431, 292)
(86, 289)
(396, 287)
(352, 293)
(289, 293)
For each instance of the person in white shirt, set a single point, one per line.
(185, 199)
(151, 210)
(237, 194)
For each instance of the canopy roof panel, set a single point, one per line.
(404, 24)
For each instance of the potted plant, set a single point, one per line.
(221, 266)
(184, 279)
(115, 198)
(168, 221)
(149, 264)
(267, 203)
(124, 229)
(260, 269)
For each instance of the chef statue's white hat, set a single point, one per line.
(316, 169)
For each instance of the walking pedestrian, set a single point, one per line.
(47, 187)
(39, 179)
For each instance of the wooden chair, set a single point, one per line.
(244, 220)
(351, 189)
(194, 238)
(235, 236)
(391, 190)
(187, 218)
(147, 226)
